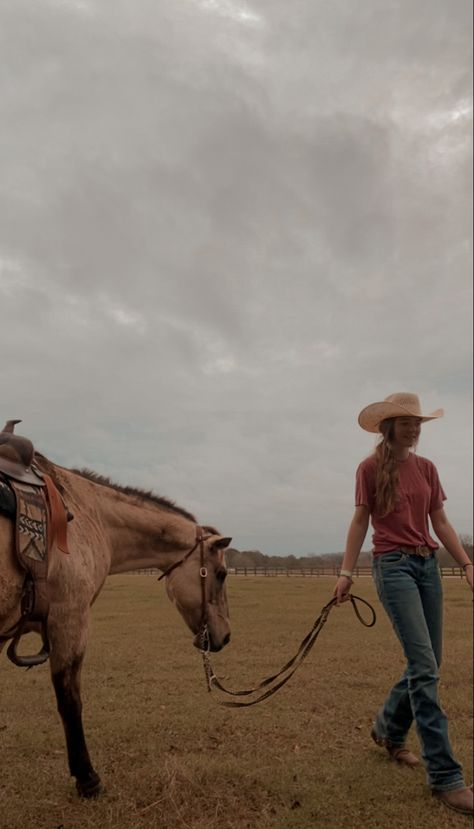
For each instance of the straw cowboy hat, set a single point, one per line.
(400, 404)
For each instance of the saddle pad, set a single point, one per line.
(31, 523)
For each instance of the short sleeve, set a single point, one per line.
(438, 494)
(365, 487)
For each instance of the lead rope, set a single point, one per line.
(289, 668)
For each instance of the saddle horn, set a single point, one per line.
(17, 456)
(10, 426)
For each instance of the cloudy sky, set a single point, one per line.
(226, 226)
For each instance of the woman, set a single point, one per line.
(398, 490)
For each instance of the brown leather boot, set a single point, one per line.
(398, 753)
(460, 800)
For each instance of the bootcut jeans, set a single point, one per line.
(409, 588)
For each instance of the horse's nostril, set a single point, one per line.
(227, 639)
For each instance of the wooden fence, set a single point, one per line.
(321, 571)
(302, 571)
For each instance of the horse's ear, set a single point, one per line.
(221, 543)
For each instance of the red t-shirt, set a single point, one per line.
(419, 493)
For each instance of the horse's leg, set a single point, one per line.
(68, 695)
(68, 636)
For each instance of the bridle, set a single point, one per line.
(268, 686)
(201, 537)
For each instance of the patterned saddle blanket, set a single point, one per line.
(40, 524)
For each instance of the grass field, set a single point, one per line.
(171, 758)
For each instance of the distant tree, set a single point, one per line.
(232, 557)
(255, 558)
(446, 560)
(466, 541)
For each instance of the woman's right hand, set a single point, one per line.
(342, 589)
(469, 571)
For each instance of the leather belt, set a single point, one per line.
(424, 552)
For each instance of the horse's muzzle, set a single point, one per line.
(213, 645)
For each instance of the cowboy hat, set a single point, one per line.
(400, 404)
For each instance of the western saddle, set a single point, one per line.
(17, 469)
(17, 457)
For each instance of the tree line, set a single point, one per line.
(255, 558)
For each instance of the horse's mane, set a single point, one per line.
(102, 480)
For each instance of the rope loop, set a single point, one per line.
(276, 681)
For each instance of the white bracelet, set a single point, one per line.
(346, 573)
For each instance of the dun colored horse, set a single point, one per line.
(115, 529)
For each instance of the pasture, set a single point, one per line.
(171, 758)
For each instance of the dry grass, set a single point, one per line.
(171, 758)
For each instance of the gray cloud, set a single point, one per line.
(226, 227)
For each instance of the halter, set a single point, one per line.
(200, 539)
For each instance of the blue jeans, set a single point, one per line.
(409, 588)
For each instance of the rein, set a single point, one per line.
(276, 681)
(287, 671)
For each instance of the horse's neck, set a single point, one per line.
(146, 536)
(138, 534)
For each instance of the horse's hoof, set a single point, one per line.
(92, 787)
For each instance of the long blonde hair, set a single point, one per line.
(386, 475)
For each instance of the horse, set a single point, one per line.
(114, 529)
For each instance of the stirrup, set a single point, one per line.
(27, 661)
